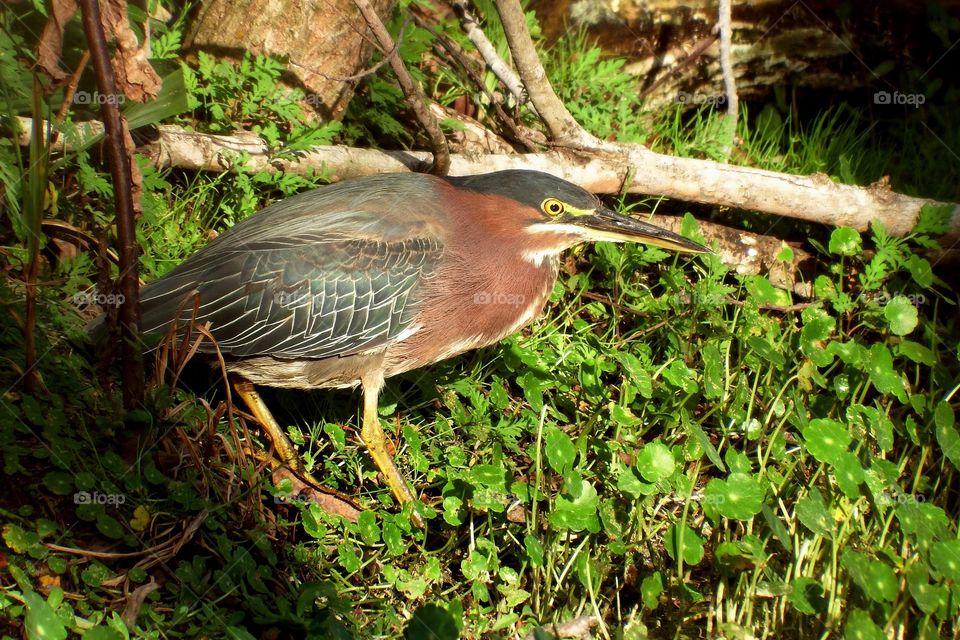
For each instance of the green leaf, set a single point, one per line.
(812, 513)
(901, 315)
(367, 525)
(349, 558)
(655, 462)
(712, 372)
(41, 621)
(682, 540)
(534, 550)
(740, 497)
(818, 325)
(59, 482)
(826, 439)
(806, 595)
(861, 627)
(929, 597)
(762, 291)
(945, 558)
(848, 473)
(882, 373)
(560, 450)
(650, 590)
(105, 633)
(875, 577)
(700, 436)
(110, 526)
(433, 622)
(917, 353)
(578, 510)
(630, 484)
(947, 436)
(844, 241)
(766, 351)
(920, 271)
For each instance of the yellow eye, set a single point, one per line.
(552, 207)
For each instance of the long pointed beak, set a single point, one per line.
(609, 225)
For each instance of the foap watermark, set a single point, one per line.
(883, 297)
(895, 497)
(290, 299)
(86, 298)
(510, 299)
(699, 99)
(95, 497)
(895, 97)
(296, 500)
(97, 98)
(699, 299)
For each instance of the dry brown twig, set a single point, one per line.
(413, 93)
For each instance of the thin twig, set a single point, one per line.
(360, 75)
(497, 65)
(562, 126)
(698, 50)
(121, 173)
(458, 55)
(726, 67)
(438, 142)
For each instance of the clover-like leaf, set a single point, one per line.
(945, 558)
(806, 595)
(578, 510)
(559, 449)
(739, 497)
(844, 241)
(875, 577)
(946, 433)
(901, 315)
(860, 626)
(882, 373)
(656, 462)
(812, 513)
(650, 590)
(826, 439)
(848, 472)
(681, 540)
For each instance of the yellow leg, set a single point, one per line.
(285, 449)
(376, 442)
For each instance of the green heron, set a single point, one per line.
(362, 280)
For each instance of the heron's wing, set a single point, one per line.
(322, 283)
(303, 300)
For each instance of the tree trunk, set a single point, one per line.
(325, 41)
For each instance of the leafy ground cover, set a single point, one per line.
(675, 450)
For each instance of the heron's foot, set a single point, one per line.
(286, 451)
(376, 443)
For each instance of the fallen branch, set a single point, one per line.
(813, 198)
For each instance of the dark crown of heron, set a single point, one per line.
(557, 199)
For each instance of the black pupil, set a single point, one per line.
(555, 207)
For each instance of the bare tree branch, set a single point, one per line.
(563, 127)
(117, 141)
(726, 63)
(498, 65)
(441, 153)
